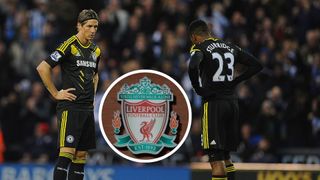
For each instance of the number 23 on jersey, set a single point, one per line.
(226, 58)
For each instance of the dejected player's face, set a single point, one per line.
(89, 29)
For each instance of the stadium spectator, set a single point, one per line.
(314, 117)
(10, 120)
(40, 147)
(248, 142)
(264, 153)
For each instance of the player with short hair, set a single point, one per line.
(78, 58)
(211, 71)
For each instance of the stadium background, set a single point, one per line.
(280, 108)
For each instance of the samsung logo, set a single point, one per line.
(86, 63)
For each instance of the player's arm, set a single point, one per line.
(95, 82)
(193, 70)
(96, 76)
(95, 85)
(252, 64)
(44, 70)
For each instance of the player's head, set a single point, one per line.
(198, 31)
(88, 23)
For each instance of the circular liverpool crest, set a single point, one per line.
(145, 116)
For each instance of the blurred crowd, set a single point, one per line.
(280, 107)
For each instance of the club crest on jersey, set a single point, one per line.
(145, 110)
(55, 56)
(70, 139)
(94, 56)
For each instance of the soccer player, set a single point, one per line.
(211, 71)
(78, 58)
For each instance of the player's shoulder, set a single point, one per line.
(66, 44)
(203, 45)
(230, 45)
(212, 39)
(194, 48)
(95, 49)
(218, 41)
(209, 42)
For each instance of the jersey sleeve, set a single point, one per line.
(55, 58)
(194, 48)
(98, 55)
(251, 62)
(193, 69)
(246, 58)
(196, 57)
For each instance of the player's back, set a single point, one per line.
(217, 66)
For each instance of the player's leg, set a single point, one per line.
(230, 169)
(87, 141)
(67, 141)
(218, 170)
(216, 159)
(211, 138)
(60, 171)
(76, 169)
(232, 138)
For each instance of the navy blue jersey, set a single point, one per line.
(78, 64)
(212, 66)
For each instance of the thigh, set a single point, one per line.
(233, 128)
(211, 126)
(70, 126)
(215, 123)
(88, 135)
(217, 154)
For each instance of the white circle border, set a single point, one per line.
(136, 159)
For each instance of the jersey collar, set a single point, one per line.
(211, 38)
(82, 44)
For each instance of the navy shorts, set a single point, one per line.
(220, 125)
(76, 129)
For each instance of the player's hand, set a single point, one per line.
(64, 94)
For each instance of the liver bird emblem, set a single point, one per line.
(146, 128)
